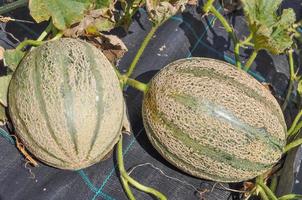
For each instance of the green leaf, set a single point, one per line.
(63, 13)
(12, 58)
(129, 9)
(3, 117)
(4, 83)
(270, 31)
(299, 89)
(103, 3)
(160, 10)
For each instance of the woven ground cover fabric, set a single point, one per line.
(182, 36)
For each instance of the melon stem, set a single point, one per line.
(251, 60)
(292, 145)
(137, 85)
(294, 127)
(12, 6)
(208, 7)
(45, 32)
(290, 197)
(125, 178)
(242, 44)
(274, 182)
(265, 188)
(57, 36)
(141, 49)
(262, 193)
(28, 42)
(291, 79)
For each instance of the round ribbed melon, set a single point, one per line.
(213, 121)
(66, 104)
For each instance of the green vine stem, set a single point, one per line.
(294, 125)
(266, 189)
(137, 85)
(251, 60)
(242, 44)
(274, 182)
(291, 79)
(125, 178)
(247, 41)
(12, 6)
(224, 22)
(141, 50)
(127, 189)
(36, 42)
(28, 42)
(57, 36)
(262, 193)
(290, 197)
(208, 7)
(45, 32)
(237, 51)
(292, 145)
(297, 129)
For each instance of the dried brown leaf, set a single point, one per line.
(94, 22)
(269, 87)
(248, 186)
(1, 53)
(112, 46)
(192, 2)
(160, 11)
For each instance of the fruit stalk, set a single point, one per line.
(12, 6)
(268, 192)
(292, 145)
(295, 125)
(141, 50)
(45, 32)
(208, 7)
(28, 42)
(137, 85)
(125, 178)
(291, 80)
(251, 60)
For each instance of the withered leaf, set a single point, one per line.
(1, 53)
(192, 2)
(159, 11)
(112, 46)
(94, 21)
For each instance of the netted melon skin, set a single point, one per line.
(66, 104)
(213, 121)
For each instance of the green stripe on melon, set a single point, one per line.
(66, 104)
(213, 121)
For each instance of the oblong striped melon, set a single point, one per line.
(213, 121)
(66, 104)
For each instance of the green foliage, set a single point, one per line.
(4, 83)
(3, 117)
(270, 31)
(129, 9)
(64, 13)
(12, 58)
